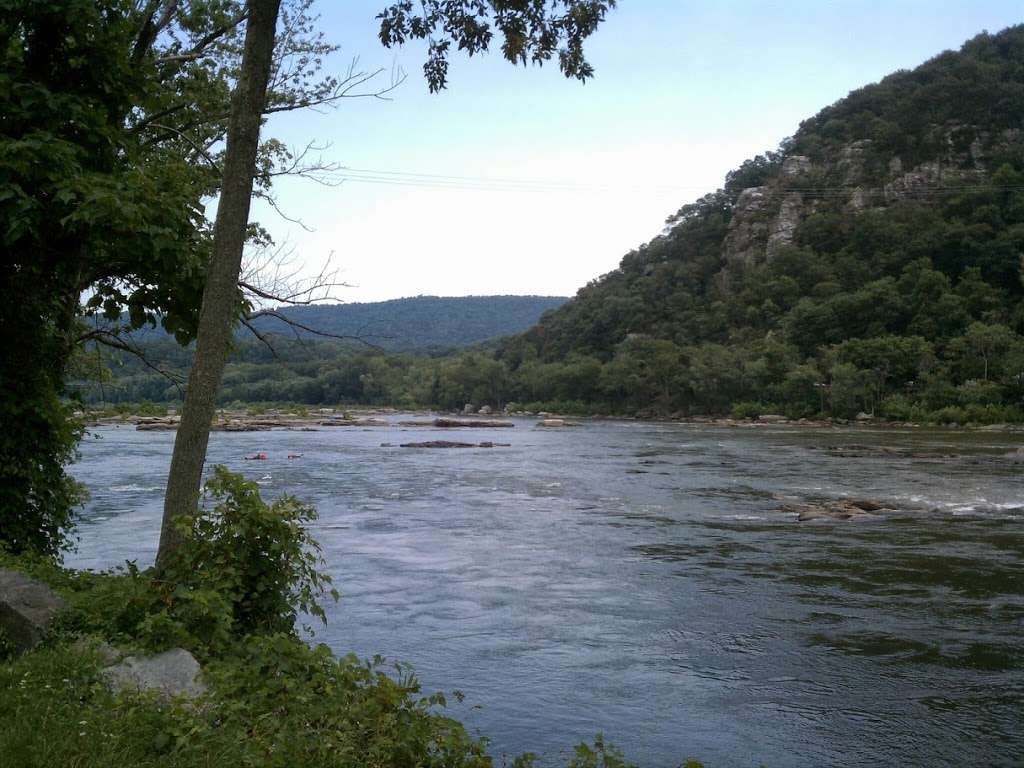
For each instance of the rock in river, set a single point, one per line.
(838, 509)
(483, 423)
(451, 444)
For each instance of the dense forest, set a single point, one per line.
(873, 263)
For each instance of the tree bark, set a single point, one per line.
(220, 296)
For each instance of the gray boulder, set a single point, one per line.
(27, 608)
(171, 673)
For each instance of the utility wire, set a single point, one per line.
(498, 184)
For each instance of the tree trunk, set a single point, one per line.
(220, 296)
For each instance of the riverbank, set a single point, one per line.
(97, 687)
(122, 669)
(306, 419)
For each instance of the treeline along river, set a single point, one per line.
(653, 581)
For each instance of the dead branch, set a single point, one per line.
(261, 337)
(191, 142)
(296, 326)
(271, 276)
(112, 338)
(347, 88)
(272, 202)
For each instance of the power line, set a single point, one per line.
(500, 184)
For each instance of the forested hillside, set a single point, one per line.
(874, 262)
(420, 322)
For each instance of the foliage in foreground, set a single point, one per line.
(246, 571)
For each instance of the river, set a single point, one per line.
(645, 580)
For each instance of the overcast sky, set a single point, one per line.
(685, 90)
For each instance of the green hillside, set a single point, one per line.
(872, 263)
(418, 323)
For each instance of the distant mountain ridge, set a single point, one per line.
(418, 322)
(412, 324)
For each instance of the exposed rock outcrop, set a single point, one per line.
(765, 218)
(748, 230)
(796, 166)
(782, 228)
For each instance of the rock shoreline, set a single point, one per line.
(328, 418)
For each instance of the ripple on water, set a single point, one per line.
(680, 614)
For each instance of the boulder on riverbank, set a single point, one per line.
(172, 673)
(27, 608)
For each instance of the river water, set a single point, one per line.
(641, 580)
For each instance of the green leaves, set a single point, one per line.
(530, 32)
(245, 566)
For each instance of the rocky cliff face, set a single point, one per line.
(765, 218)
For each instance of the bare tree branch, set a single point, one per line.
(112, 338)
(317, 171)
(270, 276)
(296, 326)
(261, 337)
(347, 88)
(272, 202)
(189, 140)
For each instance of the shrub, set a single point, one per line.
(749, 410)
(37, 497)
(896, 408)
(275, 703)
(244, 566)
(951, 414)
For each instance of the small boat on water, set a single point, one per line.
(261, 456)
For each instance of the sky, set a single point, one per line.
(549, 182)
